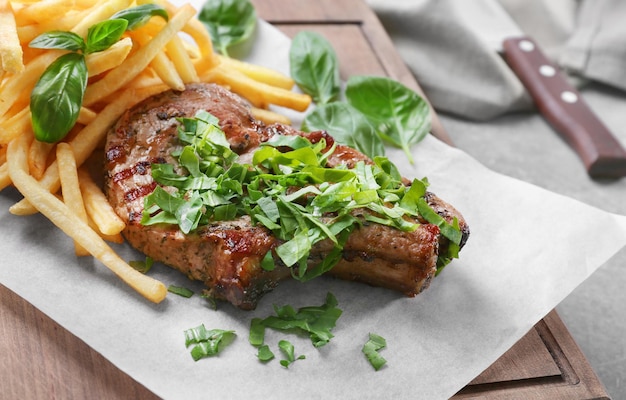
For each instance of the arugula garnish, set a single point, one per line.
(57, 97)
(287, 188)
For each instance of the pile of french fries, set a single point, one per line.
(55, 179)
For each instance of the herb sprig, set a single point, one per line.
(57, 97)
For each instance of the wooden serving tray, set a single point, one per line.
(42, 360)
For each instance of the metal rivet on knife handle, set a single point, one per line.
(565, 109)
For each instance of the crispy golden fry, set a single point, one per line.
(67, 22)
(258, 93)
(180, 58)
(269, 117)
(259, 73)
(162, 65)
(15, 126)
(10, 49)
(15, 89)
(100, 13)
(88, 139)
(5, 179)
(44, 10)
(110, 58)
(72, 196)
(98, 207)
(38, 158)
(73, 226)
(86, 116)
(137, 62)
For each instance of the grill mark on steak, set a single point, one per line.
(226, 256)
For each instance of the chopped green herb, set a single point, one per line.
(142, 266)
(371, 348)
(317, 321)
(287, 188)
(207, 342)
(179, 290)
(264, 353)
(229, 22)
(288, 350)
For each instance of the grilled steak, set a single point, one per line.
(227, 255)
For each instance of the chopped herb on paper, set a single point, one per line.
(371, 348)
(206, 342)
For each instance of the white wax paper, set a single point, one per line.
(528, 249)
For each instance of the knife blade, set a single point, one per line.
(556, 99)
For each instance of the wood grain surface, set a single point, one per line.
(42, 360)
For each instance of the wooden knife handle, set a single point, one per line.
(564, 108)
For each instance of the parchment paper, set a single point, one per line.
(529, 248)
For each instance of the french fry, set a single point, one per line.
(180, 58)
(15, 126)
(110, 58)
(72, 196)
(44, 10)
(98, 207)
(10, 48)
(162, 65)
(269, 117)
(38, 158)
(86, 116)
(74, 227)
(137, 62)
(258, 73)
(99, 13)
(88, 139)
(5, 179)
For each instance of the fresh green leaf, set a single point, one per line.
(371, 348)
(229, 22)
(314, 67)
(448, 230)
(105, 34)
(142, 266)
(288, 350)
(57, 97)
(207, 342)
(264, 353)
(348, 126)
(181, 291)
(59, 40)
(401, 116)
(140, 15)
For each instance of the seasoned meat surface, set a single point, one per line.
(226, 256)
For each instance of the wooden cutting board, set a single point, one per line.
(42, 360)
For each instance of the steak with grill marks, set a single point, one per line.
(226, 256)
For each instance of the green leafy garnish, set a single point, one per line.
(264, 353)
(316, 321)
(207, 342)
(140, 15)
(57, 97)
(142, 266)
(400, 115)
(229, 22)
(371, 348)
(181, 291)
(287, 188)
(288, 350)
(314, 67)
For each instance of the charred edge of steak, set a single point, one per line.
(226, 256)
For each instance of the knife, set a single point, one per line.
(556, 99)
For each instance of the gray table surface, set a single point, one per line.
(524, 146)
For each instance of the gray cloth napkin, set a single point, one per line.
(463, 76)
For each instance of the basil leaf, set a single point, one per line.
(371, 348)
(140, 15)
(58, 40)
(401, 116)
(105, 34)
(347, 125)
(314, 67)
(142, 266)
(229, 22)
(57, 97)
(264, 353)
